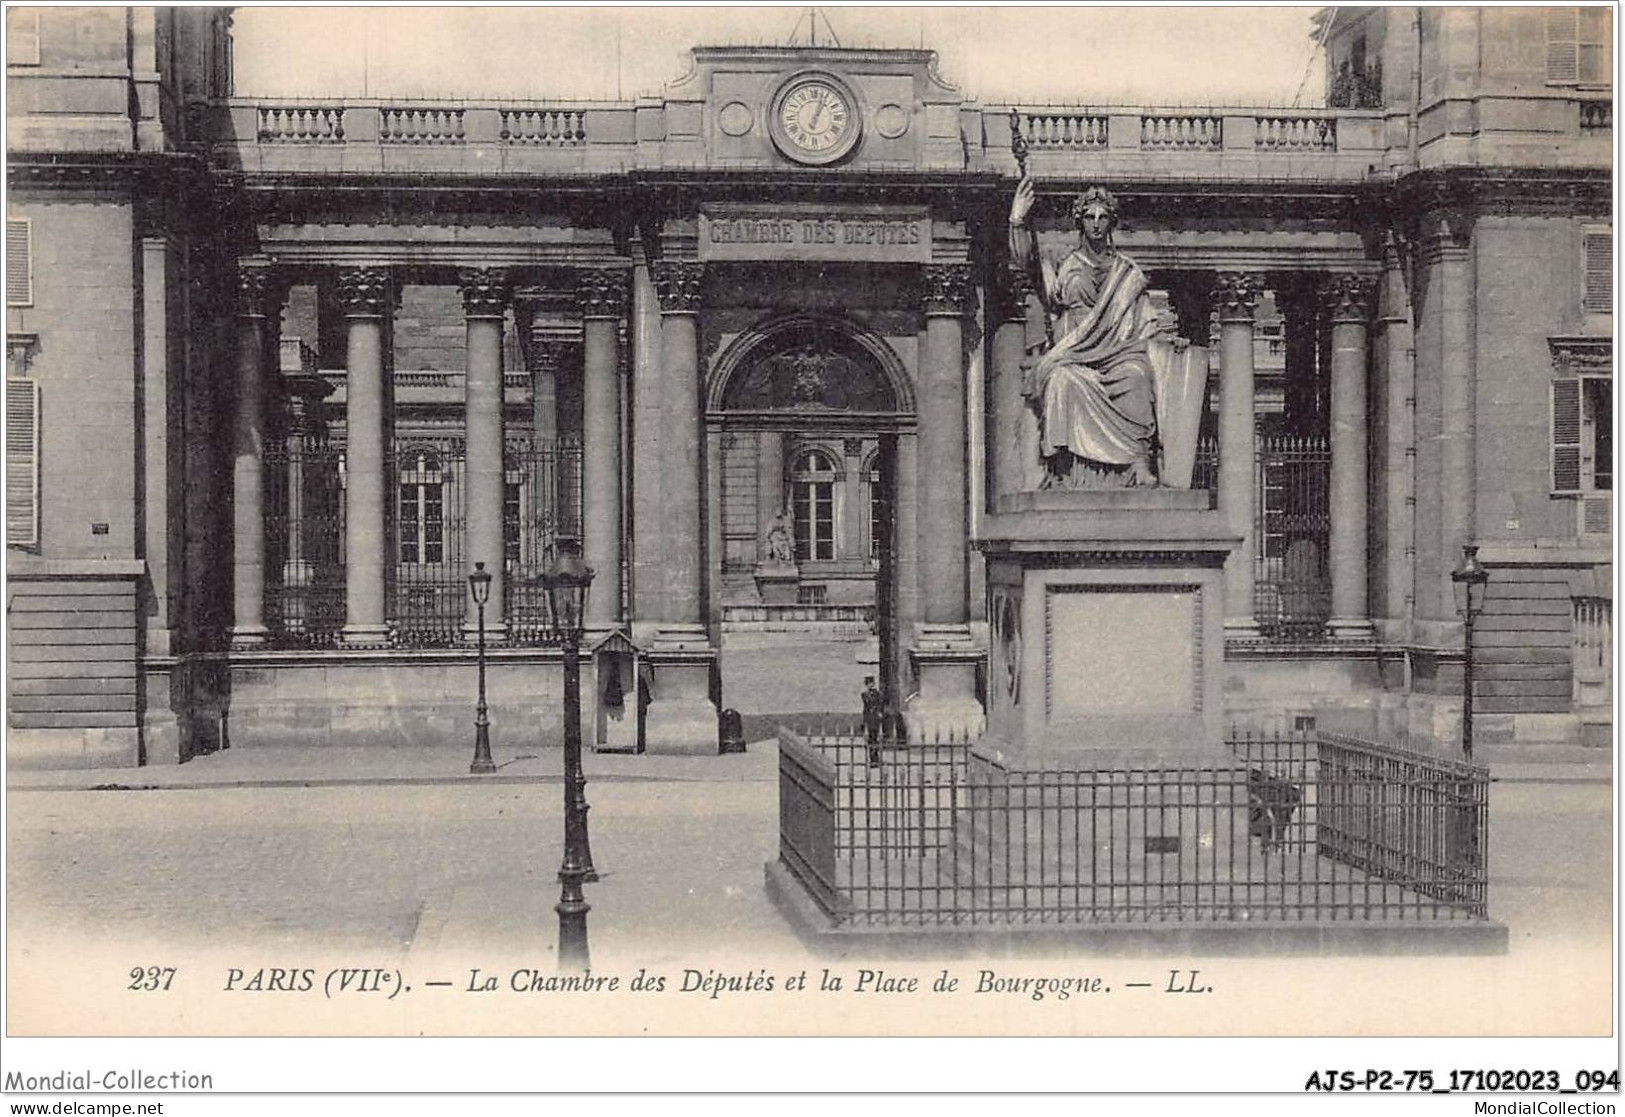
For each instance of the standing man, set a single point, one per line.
(873, 712)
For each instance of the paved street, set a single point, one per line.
(418, 868)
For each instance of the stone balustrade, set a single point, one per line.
(300, 124)
(1066, 130)
(420, 125)
(1298, 132)
(544, 127)
(1181, 131)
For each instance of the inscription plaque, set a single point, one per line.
(803, 234)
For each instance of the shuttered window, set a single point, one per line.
(1597, 252)
(1566, 434)
(22, 462)
(19, 262)
(1579, 46)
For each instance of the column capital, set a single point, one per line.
(602, 292)
(1346, 296)
(678, 284)
(365, 292)
(1236, 294)
(1010, 288)
(486, 291)
(254, 287)
(946, 289)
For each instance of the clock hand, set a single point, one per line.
(818, 113)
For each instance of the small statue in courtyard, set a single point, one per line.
(780, 547)
(1095, 388)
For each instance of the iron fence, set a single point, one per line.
(1298, 829)
(304, 597)
(425, 569)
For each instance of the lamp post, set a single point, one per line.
(567, 581)
(479, 584)
(1469, 580)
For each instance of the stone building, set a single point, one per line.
(280, 371)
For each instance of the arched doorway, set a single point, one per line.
(805, 415)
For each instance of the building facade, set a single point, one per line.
(279, 372)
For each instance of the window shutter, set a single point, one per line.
(22, 462)
(1566, 434)
(19, 262)
(1597, 514)
(1596, 39)
(1598, 253)
(1562, 46)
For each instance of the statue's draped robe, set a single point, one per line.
(1093, 388)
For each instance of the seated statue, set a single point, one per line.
(1095, 389)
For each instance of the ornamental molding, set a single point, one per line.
(946, 289)
(253, 290)
(602, 293)
(1347, 296)
(678, 282)
(486, 292)
(1575, 356)
(1236, 295)
(365, 292)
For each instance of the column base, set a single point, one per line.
(1351, 629)
(681, 719)
(945, 709)
(249, 636)
(364, 635)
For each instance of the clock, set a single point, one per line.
(815, 118)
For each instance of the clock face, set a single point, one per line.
(815, 120)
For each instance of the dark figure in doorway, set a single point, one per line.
(874, 707)
(1272, 802)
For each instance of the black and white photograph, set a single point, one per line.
(777, 522)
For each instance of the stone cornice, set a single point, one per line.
(1506, 190)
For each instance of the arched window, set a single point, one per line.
(423, 511)
(812, 494)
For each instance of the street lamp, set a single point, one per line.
(566, 582)
(479, 584)
(1469, 580)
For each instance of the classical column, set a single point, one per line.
(603, 299)
(945, 707)
(942, 445)
(1348, 305)
(485, 300)
(853, 510)
(546, 358)
(678, 284)
(1236, 296)
(769, 485)
(248, 464)
(1399, 451)
(1451, 251)
(1014, 436)
(366, 297)
(681, 717)
(647, 446)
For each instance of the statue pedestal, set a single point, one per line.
(945, 709)
(1105, 681)
(1106, 625)
(778, 583)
